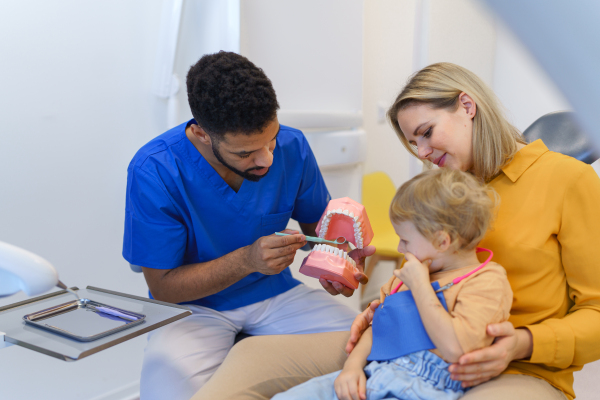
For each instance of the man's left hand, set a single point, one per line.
(359, 255)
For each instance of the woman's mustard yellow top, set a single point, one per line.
(547, 237)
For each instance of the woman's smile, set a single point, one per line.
(439, 133)
(440, 160)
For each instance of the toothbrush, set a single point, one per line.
(318, 239)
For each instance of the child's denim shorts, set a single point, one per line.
(417, 376)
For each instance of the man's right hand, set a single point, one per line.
(270, 255)
(360, 325)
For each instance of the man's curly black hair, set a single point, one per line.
(229, 94)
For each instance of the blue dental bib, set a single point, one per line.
(398, 329)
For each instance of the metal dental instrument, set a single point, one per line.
(340, 240)
(63, 286)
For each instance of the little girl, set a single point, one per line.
(437, 306)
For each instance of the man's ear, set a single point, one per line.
(442, 241)
(201, 135)
(467, 104)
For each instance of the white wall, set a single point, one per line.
(312, 52)
(521, 84)
(388, 46)
(75, 83)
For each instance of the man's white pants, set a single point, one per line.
(182, 356)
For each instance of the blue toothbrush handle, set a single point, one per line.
(309, 238)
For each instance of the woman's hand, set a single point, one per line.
(359, 255)
(484, 364)
(351, 384)
(414, 272)
(360, 325)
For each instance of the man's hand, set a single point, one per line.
(360, 325)
(414, 272)
(359, 255)
(270, 255)
(351, 384)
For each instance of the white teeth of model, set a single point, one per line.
(345, 255)
(339, 211)
(336, 252)
(318, 247)
(329, 212)
(358, 223)
(345, 212)
(356, 218)
(351, 215)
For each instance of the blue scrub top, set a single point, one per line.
(180, 211)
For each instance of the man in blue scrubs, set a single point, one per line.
(203, 202)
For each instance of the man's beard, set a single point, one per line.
(244, 174)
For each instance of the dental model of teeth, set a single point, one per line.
(342, 217)
(334, 250)
(358, 235)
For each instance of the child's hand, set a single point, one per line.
(414, 272)
(351, 384)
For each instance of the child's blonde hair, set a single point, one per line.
(446, 200)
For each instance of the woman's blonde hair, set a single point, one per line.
(439, 86)
(446, 200)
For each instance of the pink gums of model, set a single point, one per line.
(343, 217)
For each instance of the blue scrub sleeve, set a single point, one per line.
(313, 196)
(155, 236)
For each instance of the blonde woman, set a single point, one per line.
(545, 236)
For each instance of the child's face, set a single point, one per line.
(412, 241)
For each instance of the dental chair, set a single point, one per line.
(561, 133)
